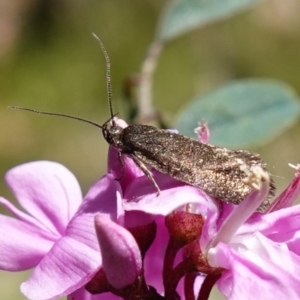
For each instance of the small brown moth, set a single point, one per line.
(219, 172)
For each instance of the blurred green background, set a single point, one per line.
(50, 61)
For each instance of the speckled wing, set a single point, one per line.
(214, 170)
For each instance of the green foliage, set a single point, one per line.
(243, 113)
(185, 15)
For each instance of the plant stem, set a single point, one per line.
(145, 107)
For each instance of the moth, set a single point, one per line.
(219, 172)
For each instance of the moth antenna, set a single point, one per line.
(108, 78)
(56, 114)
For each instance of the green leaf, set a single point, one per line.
(185, 15)
(243, 113)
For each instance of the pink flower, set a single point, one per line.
(51, 195)
(62, 249)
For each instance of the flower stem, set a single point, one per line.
(171, 252)
(189, 281)
(207, 286)
(172, 279)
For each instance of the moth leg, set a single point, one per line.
(122, 166)
(145, 170)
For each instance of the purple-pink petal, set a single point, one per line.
(281, 222)
(153, 264)
(127, 173)
(67, 267)
(22, 245)
(82, 294)
(282, 226)
(24, 217)
(202, 132)
(120, 253)
(46, 190)
(257, 268)
(75, 258)
(290, 194)
(142, 195)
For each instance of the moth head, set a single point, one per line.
(112, 133)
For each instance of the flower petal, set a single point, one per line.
(290, 194)
(22, 216)
(282, 226)
(48, 191)
(127, 172)
(22, 245)
(255, 274)
(202, 132)
(83, 294)
(281, 222)
(122, 262)
(67, 267)
(75, 258)
(154, 259)
(141, 195)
